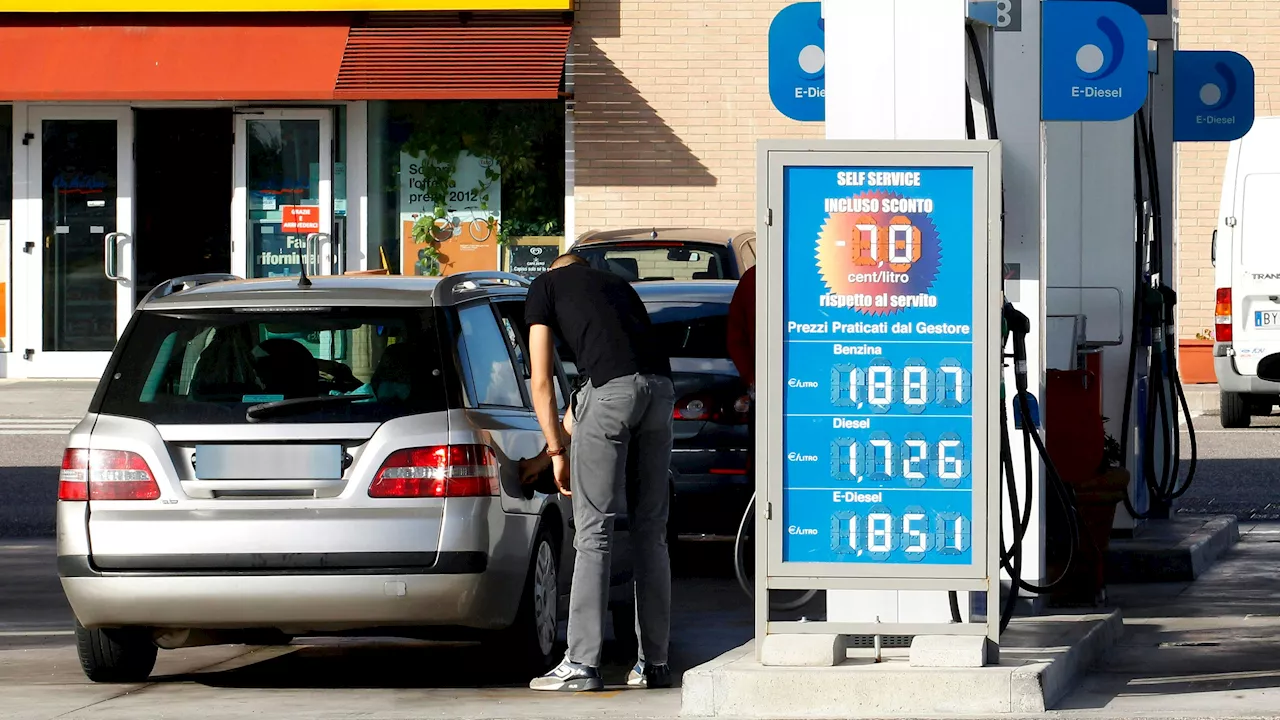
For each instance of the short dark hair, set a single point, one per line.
(568, 259)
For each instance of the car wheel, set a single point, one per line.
(531, 641)
(1233, 410)
(124, 655)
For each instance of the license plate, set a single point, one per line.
(269, 462)
(1267, 318)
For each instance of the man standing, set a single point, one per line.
(626, 405)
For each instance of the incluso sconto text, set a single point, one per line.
(900, 248)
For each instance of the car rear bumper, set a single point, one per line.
(1230, 379)
(460, 592)
(712, 490)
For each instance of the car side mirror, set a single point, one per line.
(1213, 249)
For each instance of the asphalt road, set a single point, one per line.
(1237, 472)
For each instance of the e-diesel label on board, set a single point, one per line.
(878, 414)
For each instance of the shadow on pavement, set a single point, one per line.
(1194, 646)
(710, 617)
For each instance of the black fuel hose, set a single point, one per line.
(1154, 312)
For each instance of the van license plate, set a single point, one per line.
(1269, 318)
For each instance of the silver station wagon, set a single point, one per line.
(272, 458)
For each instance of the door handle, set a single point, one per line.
(109, 251)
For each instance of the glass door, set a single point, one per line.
(283, 204)
(78, 241)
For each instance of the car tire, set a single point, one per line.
(1233, 410)
(124, 655)
(530, 642)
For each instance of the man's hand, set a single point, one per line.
(531, 468)
(560, 466)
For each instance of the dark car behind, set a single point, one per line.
(709, 453)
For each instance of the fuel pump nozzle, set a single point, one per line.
(1019, 326)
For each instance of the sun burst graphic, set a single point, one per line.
(904, 248)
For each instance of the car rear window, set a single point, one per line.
(212, 366)
(661, 261)
(691, 329)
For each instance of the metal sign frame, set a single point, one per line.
(982, 574)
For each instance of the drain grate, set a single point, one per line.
(886, 641)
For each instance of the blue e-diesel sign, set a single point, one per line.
(1094, 61)
(797, 62)
(1212, 96)
(878, 358)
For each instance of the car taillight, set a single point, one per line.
(1222, 315)
(705, 409)
(695, 407)
(438, 472)
(106, 475)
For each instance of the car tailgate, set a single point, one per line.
(292, 515)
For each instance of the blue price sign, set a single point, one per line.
(1212, 96)
(797, 61)
(1094, 61)
(878, 359)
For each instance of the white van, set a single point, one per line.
(1246, 258)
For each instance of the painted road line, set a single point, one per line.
(37, 426)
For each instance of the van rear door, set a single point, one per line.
(1256, 272)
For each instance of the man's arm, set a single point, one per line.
(542, 382)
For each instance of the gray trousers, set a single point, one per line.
(628, 414)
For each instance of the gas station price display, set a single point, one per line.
(878, 360)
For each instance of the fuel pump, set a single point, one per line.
(1155, 332)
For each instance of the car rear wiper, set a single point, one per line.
(284, 407)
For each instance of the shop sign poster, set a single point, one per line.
(878, 354)
(531, 260)
(300, 219)
(465, 237)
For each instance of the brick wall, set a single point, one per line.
(1250, 27)
(671, 98)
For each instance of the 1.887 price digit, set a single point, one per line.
(916, 386)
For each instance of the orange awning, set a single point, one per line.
(260, 61)
(312, 56)
(487, 57)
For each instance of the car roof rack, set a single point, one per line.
(469, 282)
(186, 282)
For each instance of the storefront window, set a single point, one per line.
(450, 183)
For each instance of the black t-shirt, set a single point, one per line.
(601, 318)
